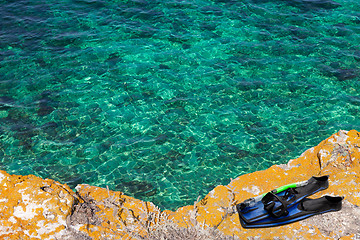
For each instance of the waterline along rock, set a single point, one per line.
(36, 208)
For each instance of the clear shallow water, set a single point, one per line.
(164, 100)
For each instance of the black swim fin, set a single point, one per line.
(301, 210)
(278, 203)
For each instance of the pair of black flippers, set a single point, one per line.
(288, 206)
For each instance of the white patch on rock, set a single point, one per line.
(49, 215)
(343, 135)
(2, 177)
(77, 226)
(12, 219)
(29, 212)
(323, 152)
(6, 230)
(30, 208)
(254, 190)
(220, 209)
(78, 187)
(46, 228)
(25, 197)
(341, 139)
(288, 166)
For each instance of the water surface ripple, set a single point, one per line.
(165, 99)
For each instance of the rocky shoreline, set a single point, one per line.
(36, 208)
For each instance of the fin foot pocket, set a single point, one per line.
(279, 200)
(302, 210)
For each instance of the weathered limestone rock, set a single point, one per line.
(338, 156)
(34, 208)
(116, 216)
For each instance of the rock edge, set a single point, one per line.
(36, 208)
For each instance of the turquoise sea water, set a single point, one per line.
(165, 99)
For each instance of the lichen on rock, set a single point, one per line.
(35, 208)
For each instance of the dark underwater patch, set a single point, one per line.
(173, 155)
(354, 100)
(46, 104)
(6, 102)
(91, 3)
(24, 131)
(307, 5)
(161, 139)
(335, 70)
(50, 129)
(211, 10)
(314, 4)
(136, 188)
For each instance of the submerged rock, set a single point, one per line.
(46, 104)
(24, 131)
(314, 4)
(6, 102)
(346, 74)
(45, 110)
(162, 138)
(308, 5)
(342, 74)
(137, 188)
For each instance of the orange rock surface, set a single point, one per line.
(34, 208)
